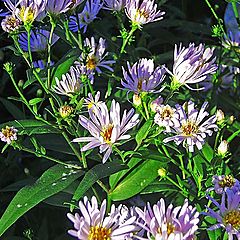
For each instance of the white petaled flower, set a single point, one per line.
(167, 117)
(10, 23)
(192, 128)
(142, 12)
(70, 83)
(169, 223)
(106, 128)
(192, 65)
(8, 134)
(94, 224)
(92, 102)
(114, 5)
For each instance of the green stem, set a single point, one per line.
(145, 108)
(101, 184)
(119, 153)
(28, 29)
(125, 41)
(49, 158)
(177, 185)
(215, 15)
(235, 10)
(53, 26)
(182, 167)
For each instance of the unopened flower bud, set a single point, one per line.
(39, 93)
(223, 148)
(137, 100)
(20, 83)
(162, 172)
(231, 120)
(220, 115)
(65, 111)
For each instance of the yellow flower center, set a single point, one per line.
(91, 63)
(189, 128)
(232, 218)
(99, 233)
(227, 181)
(170, 229)
(141, 13)
(107, 133)
(27, 14)
(8, 132)
(166, 112)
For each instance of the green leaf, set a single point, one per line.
(208, 152)
(54, 180)
(97, 172)
(143, 131)
(35, 101)
(64, 64)
(30, 127)
(137, 180)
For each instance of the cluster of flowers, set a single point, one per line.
(153, 222)
(228, 216)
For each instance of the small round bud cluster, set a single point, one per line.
(66, 111)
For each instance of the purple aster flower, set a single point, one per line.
(94, 223)
(114, 5)
(224, 80)
(228, 216)
(224, 182)
(142, 12)
(192, 130)
(85, 72)
(106, 128)
(8, 134)
(70, 83)
(142, 77)
(161, 223)
(95, 58)
(10, 23)
(26, 10)
(58, 6)
(38, 40)
(192, 65)
(87, 16)
(167, 117)
(41, 64)
(232, 40)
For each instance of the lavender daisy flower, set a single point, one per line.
(106, 128)
(114, 5)
(57, 7)
(38, 40)
(142, 12)
(142, 77)
(224, 182)
(8, 134)
(69, 84)
(94, 223)
(192, 130)
(95, 59)
(167, 117)
(26, 10)
(232, 40)
(192, 65)
(228, 217)
(161, 223)
(10, 24)
(87, 16)
(86, 74)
